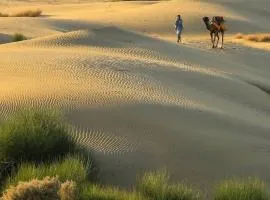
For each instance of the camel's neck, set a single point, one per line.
(207, 24)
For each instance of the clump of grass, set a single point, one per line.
(71, 168)
(3, 15)
(28, 13)
(68, 191)
(155, 185)
(95, 192)
(18, 37)
(254, 37)
(45, 189)
(244, 189)
(34, 136)
(259, 38)
(239, 36)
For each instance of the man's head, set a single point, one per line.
(178, 16)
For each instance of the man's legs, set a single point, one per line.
(179, 36)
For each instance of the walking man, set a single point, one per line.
(179, 27)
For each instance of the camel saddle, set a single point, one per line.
(218, 21)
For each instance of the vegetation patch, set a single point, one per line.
(241, 189)
(35, 136)
(71, 168)
(155, 185)
(3, 15)
(52, 166)
(26, 13)
(95, 192)
(18, 37)
(260, 37)
(44, 189)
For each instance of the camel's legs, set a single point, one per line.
(222, 35)
(217, 35)
(212, 39)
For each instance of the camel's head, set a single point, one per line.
(206, 19)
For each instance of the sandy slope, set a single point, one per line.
(140, 102)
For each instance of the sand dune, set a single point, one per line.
(142, 102)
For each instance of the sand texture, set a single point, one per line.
(138, 99)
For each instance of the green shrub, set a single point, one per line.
(35, 136)
(95, 192)
(155, 185)
(87, 158)
(18, 37)
(244, 189)
(71, 168)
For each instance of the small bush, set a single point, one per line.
(259, 38)
(94, 192)
(71, 168)
(18, 37)
(254, 37)
(35, 136)
(155, 185)
(239, 35)
(3, 15)
(28, 13)
(68, 191)
(245, 189)
(46, 189)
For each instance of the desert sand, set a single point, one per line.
(138, 99)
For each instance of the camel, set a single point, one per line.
(215, 28)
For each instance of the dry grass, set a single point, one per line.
(46, 189)
(239, 36)
(18, 37)
(26, 13)
(3, 15)
(260, 37)
(68, 191)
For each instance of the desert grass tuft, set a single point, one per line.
(260, 37)
(44, 189)
(68, 191)
(71, 168)
(95, 192)
(18, 37)
(241, 189)
(3, 15)
(35, 136)
(239, 35)
(155, 185)
(28, 13)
